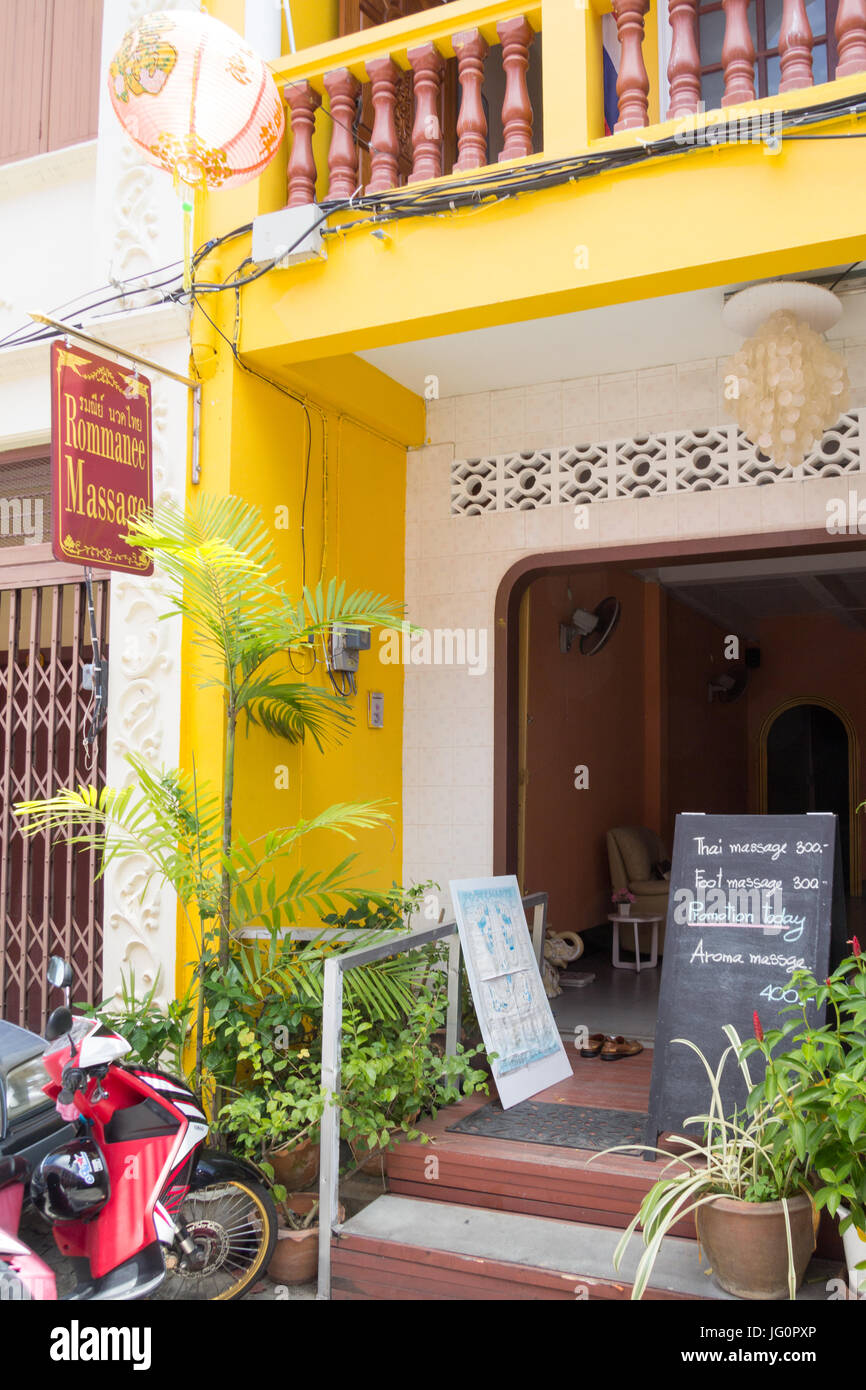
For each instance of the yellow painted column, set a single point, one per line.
(571, 77)
(316, 21)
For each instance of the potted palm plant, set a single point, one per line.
(754, 1211)
(224, 581)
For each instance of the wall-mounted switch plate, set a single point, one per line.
(375, 709)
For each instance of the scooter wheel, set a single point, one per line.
(234, 1226)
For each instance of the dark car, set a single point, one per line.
(29, 1124)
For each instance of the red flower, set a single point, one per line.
(855, 945)
(828, 982)
(759, 1032)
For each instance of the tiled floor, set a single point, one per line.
(617, 1001)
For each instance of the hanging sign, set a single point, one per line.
(101, 460)
(512, 1008)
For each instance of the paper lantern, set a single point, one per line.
(196, 99)
(791, 386)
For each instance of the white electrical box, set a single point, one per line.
(289, 236)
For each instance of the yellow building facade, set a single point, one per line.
(509, 371)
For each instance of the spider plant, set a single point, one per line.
(737, 1156)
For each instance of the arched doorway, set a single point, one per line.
(809, 763)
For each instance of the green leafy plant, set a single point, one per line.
(393, 1075)
(814, 1087)
(735, 1157)
(225, 585)
(277, 987)
(158, 1036)
(280, 1102)
(394, 908)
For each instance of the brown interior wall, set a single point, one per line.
(707, 752)
(582, 710)
(637, 714)
(809, 657)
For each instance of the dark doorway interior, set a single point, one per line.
(808, 768)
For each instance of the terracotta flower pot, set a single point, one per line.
(372, 1161)
(296, 1257)
(297, 1168)
(746, 1246)
(855, 1250)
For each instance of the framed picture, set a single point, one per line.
(517, 1025)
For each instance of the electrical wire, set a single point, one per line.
(479, 190)
(13, 339)
(844, 275)
(309, 435)
(58, 308)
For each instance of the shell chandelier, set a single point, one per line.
(785, 386)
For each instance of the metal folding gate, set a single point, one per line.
(50, 898)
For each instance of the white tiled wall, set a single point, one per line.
(454, 564)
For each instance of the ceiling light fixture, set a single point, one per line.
(785, 386)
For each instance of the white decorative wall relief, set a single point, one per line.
(646, 465)
(140, 915)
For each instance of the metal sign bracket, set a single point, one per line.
(136, 358)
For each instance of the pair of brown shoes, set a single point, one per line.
(610, 1049)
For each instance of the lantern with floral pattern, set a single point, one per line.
(196, 99)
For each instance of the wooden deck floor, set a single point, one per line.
(538, 1179)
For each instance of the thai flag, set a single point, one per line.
(610, 59)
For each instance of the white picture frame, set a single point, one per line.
(513, 1011)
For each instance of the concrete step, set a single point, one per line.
(409, 1248)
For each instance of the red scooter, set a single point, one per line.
(136, 1202)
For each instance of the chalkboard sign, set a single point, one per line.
(752, 899)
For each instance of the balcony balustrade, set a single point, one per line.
(396, 73)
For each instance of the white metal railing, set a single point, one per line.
(332, 1023)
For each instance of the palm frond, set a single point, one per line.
(293, 710)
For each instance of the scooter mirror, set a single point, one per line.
(59, 972)
(59, 1022)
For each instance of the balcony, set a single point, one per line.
(512, 203)
(460, 89)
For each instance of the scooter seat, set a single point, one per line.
(13, 1169)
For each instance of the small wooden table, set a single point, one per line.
(619, 919)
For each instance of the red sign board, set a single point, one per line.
(101, 460)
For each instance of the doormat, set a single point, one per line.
(566, 1126)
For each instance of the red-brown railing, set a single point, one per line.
(385, 71)
(395, 74)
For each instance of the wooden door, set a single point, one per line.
(49, 74)
(358, 15)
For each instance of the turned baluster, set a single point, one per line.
(632, 85)
(851, 37)
(428, 68)
(684, 65)
(738, 54)
(471, 50)
(516, 35)
(343, 91)
(302, 102)
(795, 47)
(384, 145)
